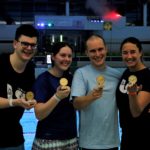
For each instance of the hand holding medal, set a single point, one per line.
(132, 88)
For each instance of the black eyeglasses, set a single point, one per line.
(26, 45)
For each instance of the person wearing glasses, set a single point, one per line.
(133, 97)
(16, 79)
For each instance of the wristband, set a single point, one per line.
(57, 98)
(10, 103)
(132, 93)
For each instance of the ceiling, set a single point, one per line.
(25, 10)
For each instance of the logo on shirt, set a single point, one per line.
(19, 93)
(123, 86)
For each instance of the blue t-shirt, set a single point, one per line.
(98, 125)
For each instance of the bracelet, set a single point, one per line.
(57, 98)
(132, 93)
(10, 103)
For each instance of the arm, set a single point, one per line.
(79, 91)
(83, 101)
(42, 110)
(6, 103)
(138, 101)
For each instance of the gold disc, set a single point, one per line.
(132, 79)
(29, 95)
(63, 81)
(100, 80)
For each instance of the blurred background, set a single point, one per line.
(73, 21)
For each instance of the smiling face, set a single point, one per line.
(63, 59)
(131, 55)
(25, 47)
(96, 51)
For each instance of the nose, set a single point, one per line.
(98, 52)
(129, 55)
(29, 47)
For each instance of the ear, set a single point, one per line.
(15, 44)
(52, 57)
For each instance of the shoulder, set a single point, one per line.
(145, 73)
(42, 78)
(83, 68)
(43, 75)
(115, 71)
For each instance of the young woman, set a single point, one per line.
(133, 98)
(56, 128)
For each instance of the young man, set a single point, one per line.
(93, 92)
(16, 79)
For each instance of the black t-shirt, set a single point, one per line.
(135, 131)
(13, 85)
(60, 124)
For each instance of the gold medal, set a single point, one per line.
(63, 81)
(132, 79)
(100, 80)
(29, 95)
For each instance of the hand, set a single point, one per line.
(134, 88)
(97, 92)
(32, 103)
(63, 92)
(24, 103)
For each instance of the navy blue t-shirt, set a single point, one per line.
(61, 122)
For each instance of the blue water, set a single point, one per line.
(29, 123)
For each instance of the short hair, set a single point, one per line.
(94, 36)
(27, 30)
(132, 40)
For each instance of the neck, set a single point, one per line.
(56, 72)
(101, 67)
(137, 68)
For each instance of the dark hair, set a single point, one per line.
(27, 30)
(132, 40)
(57, 46)
(93, 35)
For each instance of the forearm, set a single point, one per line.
(134, 106)
(4, 103)
(82, 101)
(42, 110)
